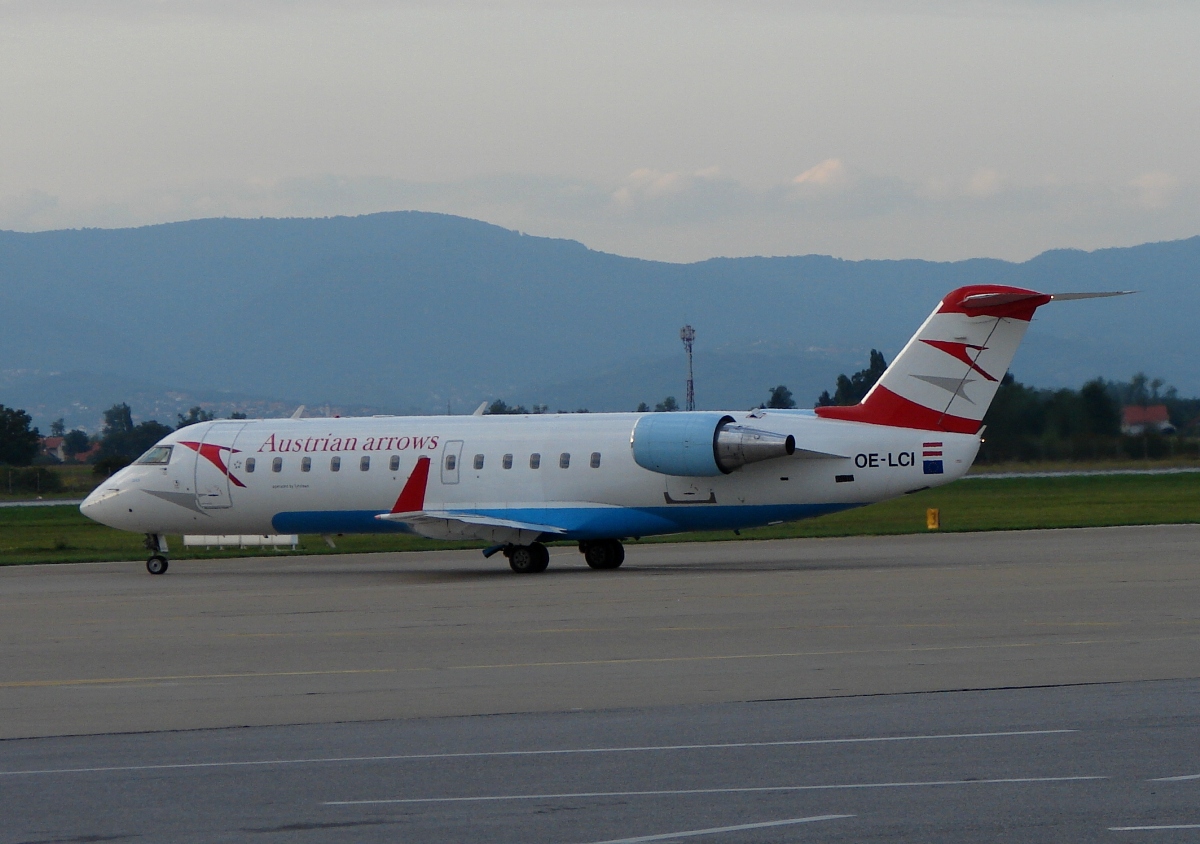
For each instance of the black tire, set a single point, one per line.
(543, 556)
(605, 554)
(157, 564)
(529, 559)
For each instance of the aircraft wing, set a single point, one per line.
(433, 516)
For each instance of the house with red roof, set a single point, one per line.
(1137, 420)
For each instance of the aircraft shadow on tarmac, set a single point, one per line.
(486, 573)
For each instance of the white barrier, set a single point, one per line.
(243, 540)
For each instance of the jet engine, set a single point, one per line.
(702, 444)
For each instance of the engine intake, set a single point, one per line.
(702, 444)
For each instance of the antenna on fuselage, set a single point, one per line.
(687, 334)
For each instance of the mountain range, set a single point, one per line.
(415, 312)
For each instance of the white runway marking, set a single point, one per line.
(686, 791)
(692, 833)
(491, 753)
(1148, 828)
(1176, 779)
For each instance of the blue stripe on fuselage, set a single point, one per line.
(578, 522)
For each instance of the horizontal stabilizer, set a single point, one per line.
(467, 519)
(1065, 297)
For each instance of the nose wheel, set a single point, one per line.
(157, 544)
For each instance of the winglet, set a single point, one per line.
(412, 497)
(479, 410)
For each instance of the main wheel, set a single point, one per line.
(529, 559)
(157, 564)
(604, 554)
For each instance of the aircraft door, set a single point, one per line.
(213, 460)
(451, 457)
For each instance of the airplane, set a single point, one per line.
(517, 482)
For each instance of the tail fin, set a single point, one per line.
(946, 376)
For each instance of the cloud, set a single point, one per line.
(831, 171)
(1155, 189)
(984, 183)
(647, 183)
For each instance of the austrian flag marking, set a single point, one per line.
(932, 467)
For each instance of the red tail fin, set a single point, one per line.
(947, 375)
(412, 497)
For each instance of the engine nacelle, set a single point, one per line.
(702, 444)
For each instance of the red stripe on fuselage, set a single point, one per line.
(883, 407)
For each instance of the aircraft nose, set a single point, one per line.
(102, 505)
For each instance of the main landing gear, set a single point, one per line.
(527, 559)
(156, 543)
(533, 558)
(603, 553)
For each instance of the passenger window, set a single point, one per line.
(335, 464)
(306, 464)
(451, 462)
(277, 464)
(478, 461)
(364, 463)
(595, 460)
(394, 463)
(249, 465)
(507, 461)
(564, 460)
(535, 460)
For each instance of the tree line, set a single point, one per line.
(120, 441)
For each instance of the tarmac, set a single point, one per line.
(1023, 686)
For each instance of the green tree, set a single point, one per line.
(642, 408)
(122, 440)
(237, 414)
(1102, 416)
(19, 441)
(58, 427)
(75, 442)
(194, 415)
(118, 419)
(667, 405)
(781, 398)
(852, 389)
(500, 407)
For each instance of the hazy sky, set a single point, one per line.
(672, 130)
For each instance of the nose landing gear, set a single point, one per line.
(157, 543)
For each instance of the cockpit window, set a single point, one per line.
(160, 455)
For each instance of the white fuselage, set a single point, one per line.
(333, 476)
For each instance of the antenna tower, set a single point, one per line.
(688, 334)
